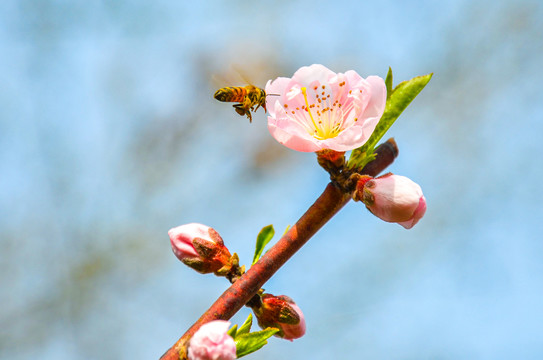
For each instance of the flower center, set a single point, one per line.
(326, 125)
(326, 119)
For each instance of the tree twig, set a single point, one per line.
(241, 291)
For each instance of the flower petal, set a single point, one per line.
(307, 75)
(376, 105)
(292, 135)
(274, 90)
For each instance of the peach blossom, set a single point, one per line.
(319, 109)
(211, 342)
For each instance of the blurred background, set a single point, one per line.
(110, 136)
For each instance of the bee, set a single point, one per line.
(248, 97)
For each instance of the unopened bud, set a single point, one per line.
(281, 312)
(211, 342)
(392, 198)
(200, 247)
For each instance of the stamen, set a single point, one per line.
(304, 91)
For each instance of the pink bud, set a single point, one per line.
(392, 198)
(199, 247)
(211, 342)
(281, 312)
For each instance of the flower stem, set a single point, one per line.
(241, 291)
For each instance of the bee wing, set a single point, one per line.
(243, 75)
(219, 81)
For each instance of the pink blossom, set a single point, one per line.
(393, 198)
(199, 247)
(211, 342)
(319, 109)
(281, 312)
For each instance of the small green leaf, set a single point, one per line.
(263, 238)
(246, 327)
(286, 230)
(388, 82)
(233, 331)
(400, 98)
(249, 343)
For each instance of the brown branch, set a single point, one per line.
(324, 208)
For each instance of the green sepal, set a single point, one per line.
(263, 238)
(289, 316)
(388, 82)
(397, 101)
(249, 343)
(246, 327)
(233, 331)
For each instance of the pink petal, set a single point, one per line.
(290, 134)
(377, 103)
(368, 126)
(348, 139)
(306, 75)
(419, 213)
(274, 90)
(355, 80)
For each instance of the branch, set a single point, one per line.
(239, 293)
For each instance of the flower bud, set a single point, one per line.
(392, 198)
(282, 313)
(211, 342)
(200, 247)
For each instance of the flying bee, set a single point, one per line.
(248, 97)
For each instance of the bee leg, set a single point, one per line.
(239, 109)
(246, 105)
(242, 110)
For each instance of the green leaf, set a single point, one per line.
(286, 230)
(263, 238)
(399, 99)
(233, 331)
(249, 343)
(388, 82)
(246, 327)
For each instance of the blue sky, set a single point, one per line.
(109, 136)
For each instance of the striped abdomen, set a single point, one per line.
(231, 94)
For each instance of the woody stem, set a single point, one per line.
(241, 291)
